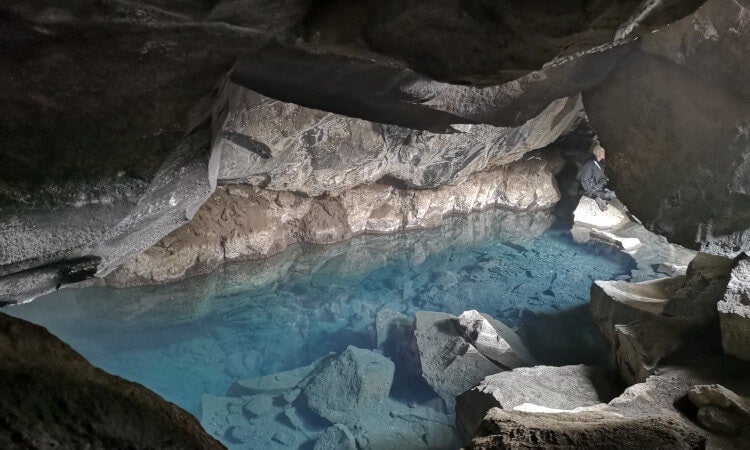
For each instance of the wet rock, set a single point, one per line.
(244, 222)
(277, 383)
(494, 340)
(52, 397)
(734, 310)
(516, 429)
(588, 214)
(566, 388)
(719, 409)
(450, 364)
(336, 437)
(626, 244)
(350, 386)
(672, 269)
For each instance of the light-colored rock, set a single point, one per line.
(350, 386)
(450, 365)
(588, 214)
(734, 310)
(494, 340)
(626, 244)
(672, 270)
(719, 409)
(336, 437)
(245, 222)
(566, 387)
(256, 405)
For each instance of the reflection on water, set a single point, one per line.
(255, 318)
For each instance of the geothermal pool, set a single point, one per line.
(249, 319)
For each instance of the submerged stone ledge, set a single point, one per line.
(245, 222)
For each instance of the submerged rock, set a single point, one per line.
(734, 310)
(565, 388)
(450, 364)
(336, 437)
(350, 386)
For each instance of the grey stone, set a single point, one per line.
(566, 388)
(350, 386)
(734, 310)
(719, 409)
(276, 383)
(336, 437)
(450, 364)
(588, 214)
(494, 340)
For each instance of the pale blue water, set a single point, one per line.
(249, 319)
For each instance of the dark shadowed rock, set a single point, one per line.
(686, 177)
(514, 429)
(51, 397)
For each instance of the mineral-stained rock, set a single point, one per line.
(245, 222)
(719, 409)
(52, 397)
(336, 437)
(516, 429)
(316, 152)
(494, 340)
(588, 214)
(566, 387)
(350, 386)
(450, 364)
(734, 310)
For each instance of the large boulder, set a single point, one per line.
(450, 364)
(350, 386)
(588, 214)
(565, 388)
(51, 397)
(734, 310)
(645, 322)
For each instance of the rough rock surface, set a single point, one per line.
(566, 387)
(336, 437)
(719, 409)
(588, 214)
(645, 322)
(244, 222)
(494, 340)
(368, 378)
(51, 397)
(699, 194)
(284, 146)
(734, 310)
(516, 429)
(450, 365)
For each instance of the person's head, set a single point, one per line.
(598, 152)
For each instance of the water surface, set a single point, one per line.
(255, 318)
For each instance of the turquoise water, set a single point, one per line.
(255, 318)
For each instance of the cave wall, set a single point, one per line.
(675, 116)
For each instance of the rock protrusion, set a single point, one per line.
(494, 340)
(734, 310)
(719, 409)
